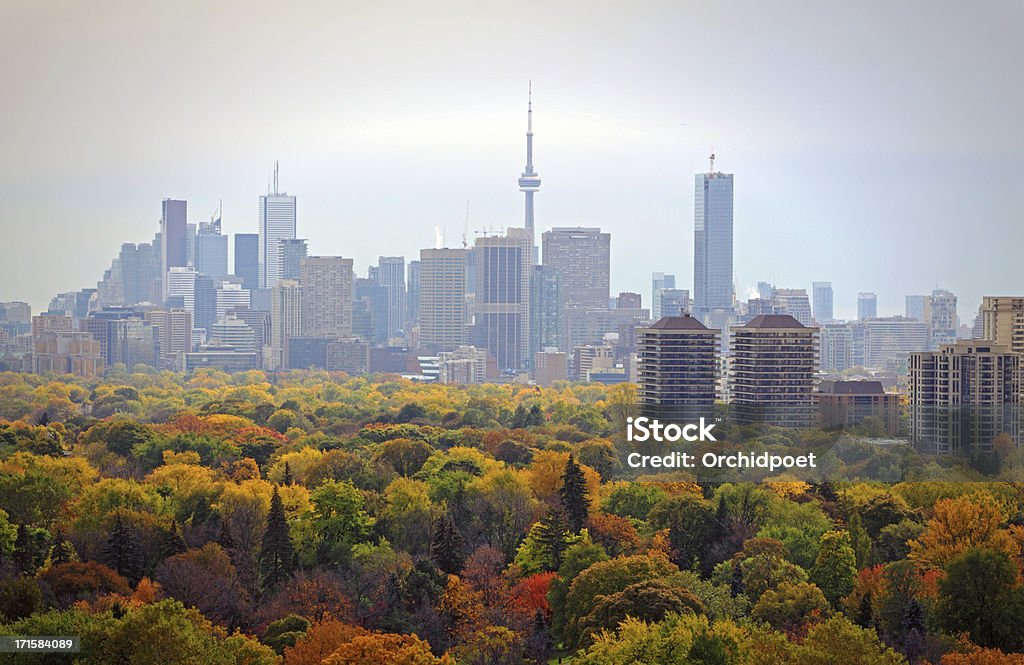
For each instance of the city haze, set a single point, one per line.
(876, 146)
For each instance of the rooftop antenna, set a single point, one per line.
(465, 229)
(276, 190)
(712, 158)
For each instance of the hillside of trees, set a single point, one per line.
(311, 518)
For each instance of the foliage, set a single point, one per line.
(374, 519)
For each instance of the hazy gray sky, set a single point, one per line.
(878, 145)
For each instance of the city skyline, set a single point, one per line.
(901, 156)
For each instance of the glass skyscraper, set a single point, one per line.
(712, 243)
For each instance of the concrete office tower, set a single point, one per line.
(247, 259)
(963, 396)
(290, 253)
(137, 267)
(712, 242)
(867, 306)
(529, 181)
(673, 302)
(466, 364)
(173, 237)
(659, 281)
(581, 257)
(175, 326)
(677, 369)
(627, 300)
(793, 302)
(236, 333)
(550, 365)
(914, 307)
(231, 295)
(181, 283)
(260, 324)
(57, 348)
(888, 342)
(277, 223)
(328, 289)
(412, 295)
(774, 364)
(941, 317)
(211, 250)
(285, 320)
(836, 347)
(1002, 321)
(391, 275)
(822, 294)
(502, 303)
(442, 303)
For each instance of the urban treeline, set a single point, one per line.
(309, 517)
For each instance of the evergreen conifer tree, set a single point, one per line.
(574, 495)
(277, 556)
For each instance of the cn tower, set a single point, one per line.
(529, 181)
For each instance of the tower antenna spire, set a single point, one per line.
(712, 159)
(529, 181)
(276, 190)
(529, 108)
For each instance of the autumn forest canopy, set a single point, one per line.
(306, 518)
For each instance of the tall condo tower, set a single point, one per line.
(529, 181)
(277, 223)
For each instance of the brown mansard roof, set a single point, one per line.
(685, 322)
(774, 321)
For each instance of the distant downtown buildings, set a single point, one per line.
(496, 309)
(713, 242)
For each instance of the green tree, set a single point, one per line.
(62, 550)
(827, 640)
(448, 549)
(634, 500)
(763, 565)
(860, 540)
(123, 551)
(790, 605)
(277, 555)
(604, 579)
(690, 522)
(835, 569)
(978, 595)
(30, 548)
(573, 493)
(552, 537)
(285, 632)
(649, 600)
(340, 520)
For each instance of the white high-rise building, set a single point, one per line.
(231, 295)
(277, 223)
(181, 282)
(391, 275)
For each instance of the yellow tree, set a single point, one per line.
(960, 524)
